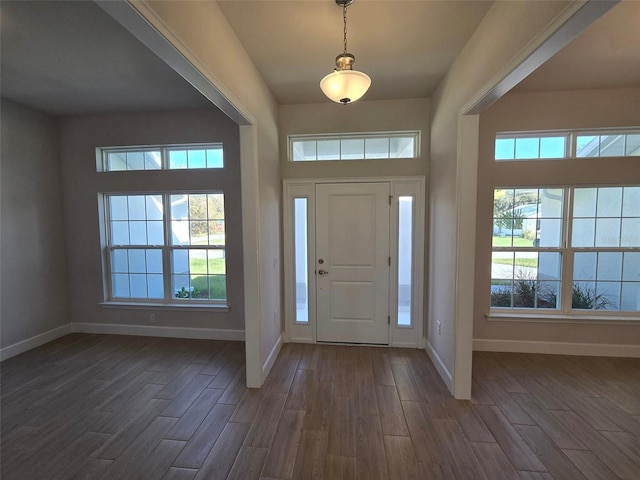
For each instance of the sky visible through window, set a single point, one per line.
(605, 143)
(526, 148)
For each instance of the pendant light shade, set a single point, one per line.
(345, 85)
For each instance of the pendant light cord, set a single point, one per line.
(344, 17)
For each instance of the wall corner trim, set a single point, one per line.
(556, 348)
(34, 342)
(271, 358)
(440, 366)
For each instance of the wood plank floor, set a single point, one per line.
(114, 407)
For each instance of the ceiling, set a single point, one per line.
(606, 55)
(72, 58)
(406, 47)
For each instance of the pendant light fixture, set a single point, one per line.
(345, 85)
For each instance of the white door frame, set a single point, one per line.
(399, 336)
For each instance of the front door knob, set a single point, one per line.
(322, 272)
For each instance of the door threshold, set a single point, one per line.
(352, 344)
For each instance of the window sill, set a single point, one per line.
(562, 318)
(218, 308)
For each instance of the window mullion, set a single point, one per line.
(166, 249)
(573, 145)
(566, 275)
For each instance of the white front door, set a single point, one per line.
(352, 262)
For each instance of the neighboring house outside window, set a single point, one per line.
(573, 249)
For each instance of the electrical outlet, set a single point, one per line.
(439, 328)
(152, 318)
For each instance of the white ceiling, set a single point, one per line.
(71, 57)
(606, 55)
(406, 47)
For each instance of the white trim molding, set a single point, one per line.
(143, 23)
(576, 17)
(271, 358)
(465, 241)
(158, 331)
(440, 366)
(556, 348)
(414, 186)
(34, 342)
(122, 329)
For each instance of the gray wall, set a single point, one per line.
(33, 294)
(79, 137)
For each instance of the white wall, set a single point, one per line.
(549, 111)
(506, 30)
(33, 294)
(79, 138)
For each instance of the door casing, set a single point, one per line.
(399, 336)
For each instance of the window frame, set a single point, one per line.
(102, 156)
(399, 336)
(415, 134)
(571, 142)
(169, 299)
(564, 310)
(535, 249)
(537, 135)
(604, 132)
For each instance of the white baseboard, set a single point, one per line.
(33, 342)
(271, 358)
(403, 345)
(300, 340)
(158, 331)
(556, 348)
(120, 329)
(440, 366)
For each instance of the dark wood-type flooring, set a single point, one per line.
(111, 407)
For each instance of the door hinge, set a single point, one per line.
(390, 198)
(388, 319)
(389, 260)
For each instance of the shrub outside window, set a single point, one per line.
(605, 238)
(532, 263)
(527, 256)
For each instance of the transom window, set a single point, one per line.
(167, 247)
(574, 144)
(570, 249)
(530, 147)
(161, 158)
(608, 144)
(367, 146)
